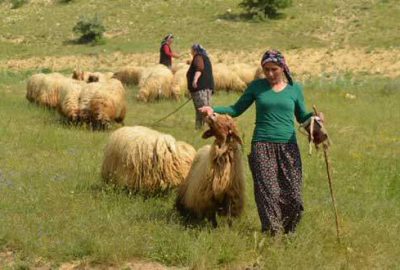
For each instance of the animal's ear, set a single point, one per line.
(207, 134)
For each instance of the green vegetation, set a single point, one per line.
(18, 3)
(90, 29)
(265, 8)
(54, 207)
(53, 204)
(139, 25)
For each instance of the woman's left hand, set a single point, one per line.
(194, 84)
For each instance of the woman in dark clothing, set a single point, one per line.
(200, 81)
(274, 160)
(166, 53)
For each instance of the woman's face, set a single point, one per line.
(192, 51)
(169, 41)
(273, 72)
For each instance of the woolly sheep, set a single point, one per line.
(44, 89)
(129, 75)
(215, 183)
(245, 72)
(155, 83)
(225, 79)
(100, 103)
(90, 77)
(179, 82)
(143, 159)
(69, 100)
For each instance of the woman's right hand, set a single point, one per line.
(206, 110)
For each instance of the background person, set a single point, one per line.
(200, 81)
(166, 53)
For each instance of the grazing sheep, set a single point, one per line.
(225, 79)
(129, 75)
(245, 72)
(69, 100)
(143, 159)
(108, 106)
(215, 183)
(100, 103)
(155, 83)
(90, 77)
(179, 82)
(179, 66)
(44, 89)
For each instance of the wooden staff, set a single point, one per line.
(328, 170)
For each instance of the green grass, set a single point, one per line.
(46, 29)
(54, 206)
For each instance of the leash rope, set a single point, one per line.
(171, 113)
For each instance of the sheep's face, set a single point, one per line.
(223, 128)
(78, 75)
(93, 78)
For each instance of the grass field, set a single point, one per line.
(54, 206)
(41, 28)
(55, 210)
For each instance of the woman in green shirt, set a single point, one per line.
(274, 160)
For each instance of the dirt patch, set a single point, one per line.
(8, 259)
(302, 62)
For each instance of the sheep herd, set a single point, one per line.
(208, 182)
(99, 101)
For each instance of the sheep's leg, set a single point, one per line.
(229, 204)
(212, 217)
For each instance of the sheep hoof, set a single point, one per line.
(213, 220)
(229, 222)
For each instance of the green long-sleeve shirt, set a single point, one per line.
(275, 111)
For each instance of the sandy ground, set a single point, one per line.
(8, 259)
(303, 62)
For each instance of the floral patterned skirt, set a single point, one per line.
(277, 174)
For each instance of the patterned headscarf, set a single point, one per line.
(198, 49)
(278, 58)
(166, 38)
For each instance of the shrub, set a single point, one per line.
(264, 8)
(18, 3)
(91, 29)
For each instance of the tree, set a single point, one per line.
(265, 8)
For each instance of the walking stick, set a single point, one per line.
(325, 146)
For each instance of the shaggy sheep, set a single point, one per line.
(215, 183)
(179, 66)
(225, 79)
(245, 72)
(110, 105)
(100, 103)
(69, 100)
(155, 83)
(90, 77)
(179, 83)
(44, 89)
(129, 75)
(143, 159)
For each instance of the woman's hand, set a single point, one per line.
(194, 84)
(206, 110)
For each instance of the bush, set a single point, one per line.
(91, 29)
(18, 3)
(264, 8)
